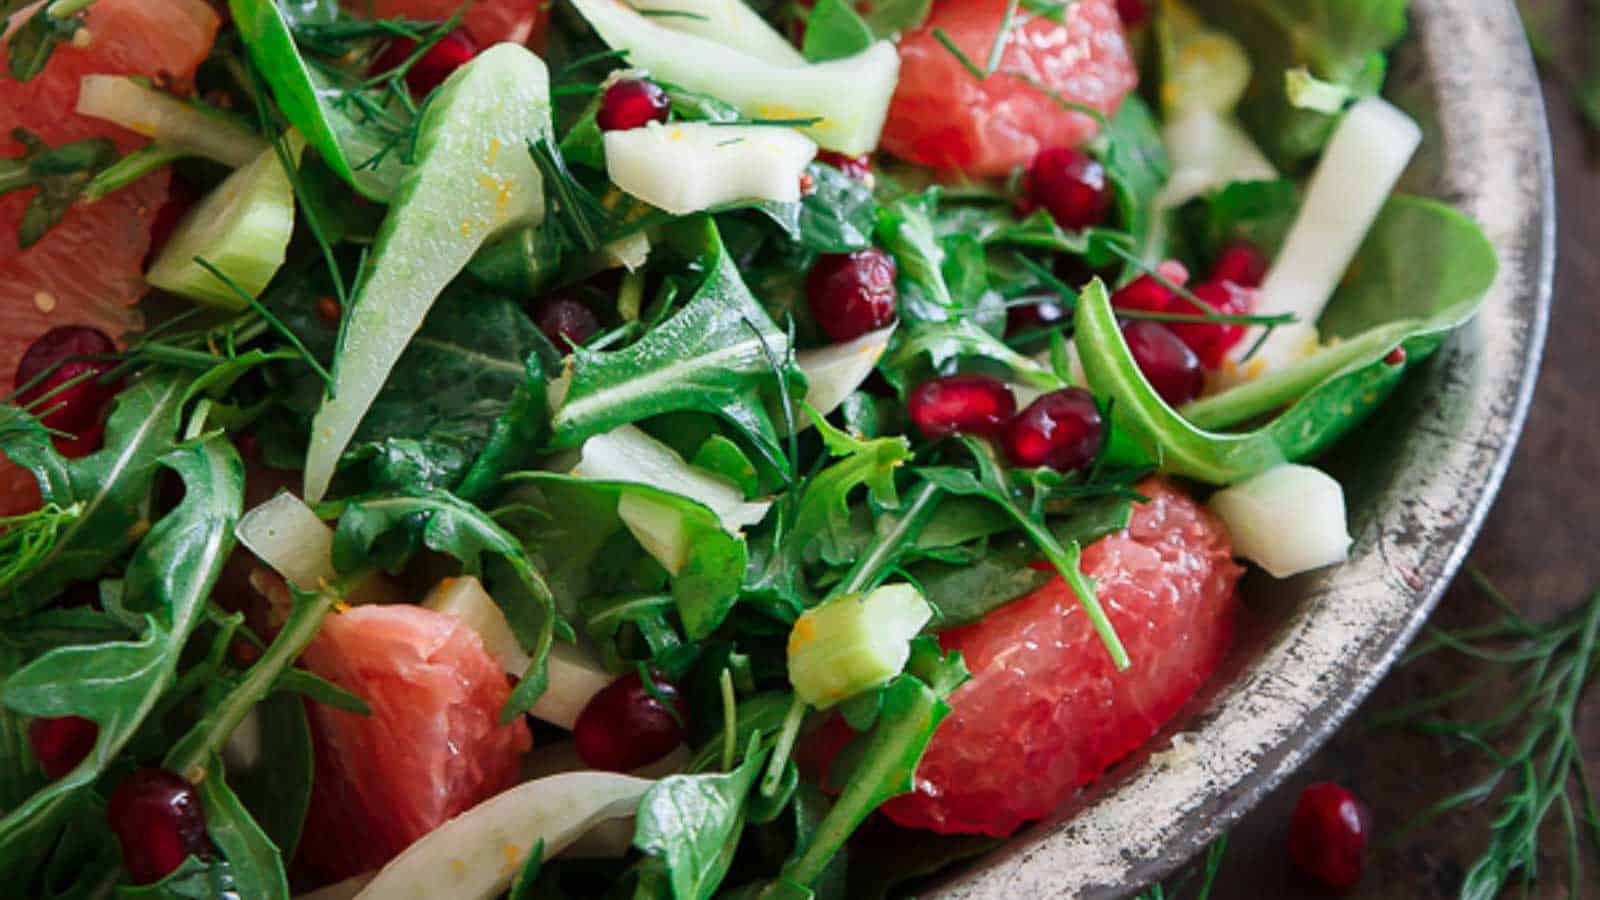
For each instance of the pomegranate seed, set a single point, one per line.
(633, 103)
(961, 404)
(329, 310)
(1171, 367)
(1147, 294)
(626, 726)
(1133, 12)
(1328, 835)
(1071, 185)
(77, 409)
(159, 821)
(808, 184)
(1061, 429)
(857, 167)
(1211, 341)
(1241, 264)
(450, 53)
(59, 744)
(851, 294)
(565, 321)
(1396, 357)
(1039, 312)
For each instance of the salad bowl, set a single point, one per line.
(1420, 478)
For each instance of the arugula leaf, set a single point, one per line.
(839, 214)
(278, 793)
(169, 579)
(691, 824)
(1258, 213)
(906, 229)
(720, 354)
(453, 526)
(1422, 272)
(835, 30)
(1339, 41)
(919, 352)
(822, 518)
(29, 48)
(195, 879)
(993, 483)
(1135, 159)
(707, 584)
(112, 488)
(464, 404)
(255, 863)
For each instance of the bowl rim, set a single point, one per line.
(1159, 810)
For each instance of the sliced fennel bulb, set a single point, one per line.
(575, 674)
(475, 855)
(285, 534)
(628, 454)
(472, 181)
(1369, 151)
(1208, 150)
(835, 371)
(1287, 520)
(731, 23)
(687, 167)
(850, 97)
(166, 119)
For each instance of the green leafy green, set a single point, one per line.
(720, 354)
(118, 684)
(256, 864)
(60, 173)
(450, 525)
(822, 519)
(708, 582)
(691, 824)
(278, 792)
(890, 17)
(112, 488)
(1420, 274)
(30, 46)
(838, 215)
(835, 30)
(1135, 159)
(1341, 42)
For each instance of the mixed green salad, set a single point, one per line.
(603, 448)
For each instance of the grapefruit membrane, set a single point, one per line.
(945, 117)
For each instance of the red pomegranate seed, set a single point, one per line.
(1328, 835)
(59, 744)
(1147, 293)
(633, 103)
(961, 404)
(1071, 185)
(851, 294)
(450, 53)
(1171, 367)
(1062, 430)
(626, 725)
(565, 321)
(1396, 357)
(159, 821)
(1211, 341)
(1241, 264)
(857, 167)
(1133, 12)
(77, 409)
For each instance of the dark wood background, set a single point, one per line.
(1541, 546)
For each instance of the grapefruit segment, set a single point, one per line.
(944, 116)
(48, 284)
(431, 749)
(1045, 711)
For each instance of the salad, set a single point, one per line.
(663, 448)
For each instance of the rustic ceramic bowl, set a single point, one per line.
(1419, 480)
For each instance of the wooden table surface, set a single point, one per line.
(1541, 546)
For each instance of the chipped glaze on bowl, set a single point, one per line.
(1419, 479)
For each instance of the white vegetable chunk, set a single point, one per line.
(835, 371)
(1208, 151)
(1287, 520)
(628, 454)
(1369, 151)
(163, 117)
(575, 674)
(687, 167)
(475, 855)
(285, 534)
(849, 97)
(730, 23)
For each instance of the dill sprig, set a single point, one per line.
(580, 215)
(1531, 741)
(26, 540)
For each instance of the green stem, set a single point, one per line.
(785, 745)
(870, 568)
(129, 169)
